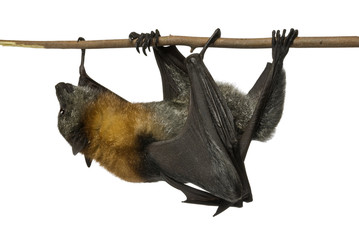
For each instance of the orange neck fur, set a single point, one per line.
(113, 127)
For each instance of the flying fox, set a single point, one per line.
(199, 133)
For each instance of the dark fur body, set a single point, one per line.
(172, 114)
(200, 133)
(117, 131)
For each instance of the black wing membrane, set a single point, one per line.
(86, 80)
(170, 61)
(256, 92)
(173, 71)
(205, 152)
(175, 81)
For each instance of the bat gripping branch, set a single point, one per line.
(193, 42)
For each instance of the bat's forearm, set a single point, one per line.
(193, 42)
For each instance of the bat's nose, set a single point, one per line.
(62, 87)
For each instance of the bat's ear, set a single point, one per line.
(79, 142)
(88, 161)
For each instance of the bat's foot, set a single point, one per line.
(145, 40)
(282, 43)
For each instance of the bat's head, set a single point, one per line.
(74, 101)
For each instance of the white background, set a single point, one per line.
(304, 181)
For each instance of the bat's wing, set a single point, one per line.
(175, 80)
(205, 152)
(257, 90)
(174, 74)
(86, 80)
(258, 86)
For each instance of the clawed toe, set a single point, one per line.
(145, 40)
(281, 43)
(133, 36)
(80, 39)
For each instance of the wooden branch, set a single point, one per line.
(193, 42)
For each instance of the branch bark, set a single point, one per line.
(193, 42)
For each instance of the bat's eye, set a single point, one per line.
(62, 111)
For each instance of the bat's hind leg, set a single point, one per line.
(272, 111)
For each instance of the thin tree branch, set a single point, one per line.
(193, 42)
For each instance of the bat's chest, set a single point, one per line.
(116, 139)
(118, 152)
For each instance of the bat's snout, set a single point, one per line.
(62, 91)
(64, 87)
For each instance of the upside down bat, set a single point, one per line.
(198, 134)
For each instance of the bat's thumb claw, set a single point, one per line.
(211, 40)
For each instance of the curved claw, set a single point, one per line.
(283, 35)
(139, 42)
(211, 40)
(133, 36)
(293, 34)
(83, 52)
(144, 50)
(157, 36)
(149, 38)
(145, 40)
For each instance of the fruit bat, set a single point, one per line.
(198, 134)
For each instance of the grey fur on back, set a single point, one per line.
(172, 115)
